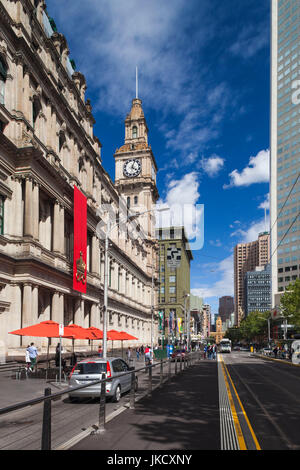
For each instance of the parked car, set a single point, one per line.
(267, 351)
(236, 348)
(178, 353)
(90, 370)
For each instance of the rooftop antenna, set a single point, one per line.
(136, 83)
(265, 219)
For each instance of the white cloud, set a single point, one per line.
(225, 284)
(266, 203)
(251, 233)
(257, 171)
(250, 41)
(212, 165)
(216, 243)
(182, 197)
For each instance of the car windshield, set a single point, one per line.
(90, 368)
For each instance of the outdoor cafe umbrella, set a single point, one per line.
(113, 335)
(45, 329)
(126, 337)
(96, 332)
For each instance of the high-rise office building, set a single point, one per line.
(285, 145)
(257, 290)
(226, 307)
(246, 257)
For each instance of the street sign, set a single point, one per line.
(61, 329)
(173, 257)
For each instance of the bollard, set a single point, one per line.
(132, 392)
(46, 429)
(161, 371)
(150, 381)
(102, 405)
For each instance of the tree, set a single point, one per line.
(290, 303)
(233, 334)
(255, 326)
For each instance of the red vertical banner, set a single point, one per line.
(80, 241)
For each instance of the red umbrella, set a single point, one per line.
(98, 333)
(81, 333)
(45, 329)
(127, 336)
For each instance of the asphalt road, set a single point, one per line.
(270, 393)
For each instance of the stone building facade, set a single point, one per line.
(47, 146)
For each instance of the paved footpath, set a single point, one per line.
(182, 414)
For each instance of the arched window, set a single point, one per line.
(128, 201)
(134, 132)
(3, 75)
(135, 200)
(61, 140)
(36, 107)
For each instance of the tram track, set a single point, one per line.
(272, 394)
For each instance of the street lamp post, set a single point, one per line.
(106, 274)
(186, 335)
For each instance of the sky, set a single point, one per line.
(204, 83)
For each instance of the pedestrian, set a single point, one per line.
(205, 351)
(142, 349)
(100, 351)
(148, 355)
(214, 351)
(128, 354)
(138, 353)
(27, 358)
(275, 351)
(33, 354)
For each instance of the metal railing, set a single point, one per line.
(187, 361)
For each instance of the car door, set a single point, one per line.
(118, 369)
(127, 376)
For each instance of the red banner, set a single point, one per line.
(80, 241)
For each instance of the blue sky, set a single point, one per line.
(204, 82)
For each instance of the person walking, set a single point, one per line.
(27, 358)
(138, 353)
(214, 351)
(33, 354)
(275, 351)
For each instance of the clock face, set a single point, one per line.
(132, 168)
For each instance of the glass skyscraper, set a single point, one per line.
(285, 145)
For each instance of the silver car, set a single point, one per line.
(90, 370)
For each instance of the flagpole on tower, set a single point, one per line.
(136, 83)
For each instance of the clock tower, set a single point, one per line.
(135, 169)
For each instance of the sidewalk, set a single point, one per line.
(183, 414)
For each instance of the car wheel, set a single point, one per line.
(73, 399)
(117, 395)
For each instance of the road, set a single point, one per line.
(237, 402)
(270, 393)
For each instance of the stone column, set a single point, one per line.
(35, 210)
(58, 227)
(95, 261)
(28, 215)
(26, 311)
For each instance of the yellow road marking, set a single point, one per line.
(234, 413)
(238, 429)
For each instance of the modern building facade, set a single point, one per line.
(206, 319)
(175, 257)
(226, 307)
(285, 145)
(247, 256)
(47, 147)
(258, 290)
